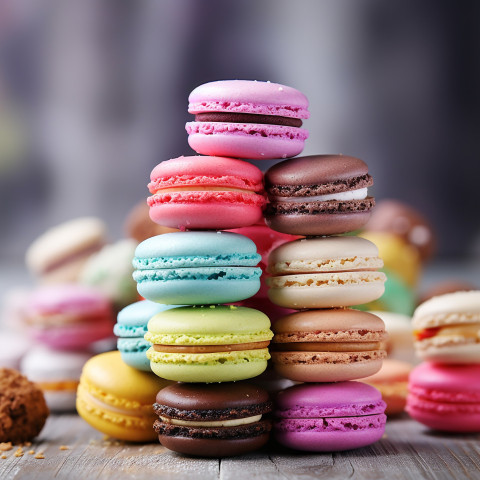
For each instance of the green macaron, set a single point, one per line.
(211, 343)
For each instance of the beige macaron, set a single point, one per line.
(447, 328)
(325, 272)
(58, 256)
(329, 345)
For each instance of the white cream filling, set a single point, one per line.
(358, 194)
(219, 423)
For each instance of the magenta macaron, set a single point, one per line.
(69, 316)
(247, 119)
(445, 397)
(329, 417)
(206, 193)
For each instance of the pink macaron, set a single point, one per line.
(69, 316)
(329, 417)
(206, 193)
(445, 397)
(247, 119)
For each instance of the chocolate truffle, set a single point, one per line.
(23, 410)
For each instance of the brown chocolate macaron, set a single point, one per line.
(328, 345)
(212, 420)
(318, 195)
(23, 410)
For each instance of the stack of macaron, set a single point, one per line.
(82, 280)
(325, 344)
(210, 339)
(444, 390)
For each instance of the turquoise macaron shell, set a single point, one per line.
(133, 352)
(132, 320)
(131, 327)
(193, 268)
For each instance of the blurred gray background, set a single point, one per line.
(93, 94)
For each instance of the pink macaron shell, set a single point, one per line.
(445, 397)
(444, 416)
(68, 299)
(73, 337)
(330, 435)
(243, 140)
(204, 214)
(206, 171)
(247, 96)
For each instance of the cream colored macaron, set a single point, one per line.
(325, 272)
(447, 328)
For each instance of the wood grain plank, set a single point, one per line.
(408, 451)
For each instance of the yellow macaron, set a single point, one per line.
(117, 399)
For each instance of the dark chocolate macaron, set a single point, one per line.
(318, 195)
(212, 420)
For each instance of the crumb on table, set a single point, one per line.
(5, 446)
(19, 452)
(39, 456)
(63, 447)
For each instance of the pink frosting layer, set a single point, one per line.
(246, 96)
(207, 197)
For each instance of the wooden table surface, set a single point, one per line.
(408, 451)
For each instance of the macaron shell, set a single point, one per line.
(451, 308)
(364, 287)
(73, 337)
(443, 351)
(318, 223)
(209, 447)
(349, 432)
(202, 290)
(212, 367)
(234, 139)
(133, 351)
(124, 427)
(438, 419)
(206, 210)
(248, 96)
(326, 366)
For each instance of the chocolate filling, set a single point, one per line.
(315, 208)
(247, 118)
(209, 415)
(240, 431)
(320, 189)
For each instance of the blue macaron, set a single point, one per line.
(195, 268)
(131, 327)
